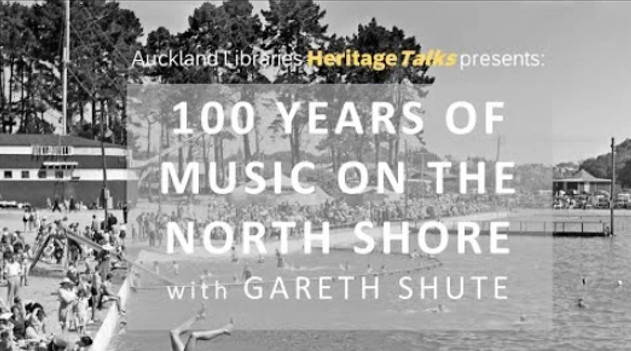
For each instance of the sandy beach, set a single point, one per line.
(44, 280)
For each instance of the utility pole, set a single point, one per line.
(422, 183)
(613, 182)
(407, 177)
(159, 166)
(105, 194)
(64, 67)
(499, 148)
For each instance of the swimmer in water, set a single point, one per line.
(134, 282)
(523, 318)
(247, 272)
(438, 309)
(383, 268)
(261, 259)
(178, 345)
(584, 281)
(233, 255)
(414, 254)
(279, 260)
(205, 275)
(369, 269)
(176, 268)
(345, 266)
(619, 283)
(581, 303)
(156, 267)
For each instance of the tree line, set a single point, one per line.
(105, 37)
(600, 166)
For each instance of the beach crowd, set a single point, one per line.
(87, 258)
(151, 226)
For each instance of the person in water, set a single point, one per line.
(233, 255)
(191, 344)
(581, 303)
(415, 254)
(176, 268)
(247, 272)
(279, 260)
(438, 309)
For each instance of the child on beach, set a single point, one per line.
(81, 311)
(27, 257)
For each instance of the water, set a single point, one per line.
(604, 325)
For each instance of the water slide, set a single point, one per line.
(84, 241)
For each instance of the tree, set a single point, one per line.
(293, 28)
(243, 36)
(374, 38)
(624, 175)
(103, 39)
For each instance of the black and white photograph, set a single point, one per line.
(315, 175)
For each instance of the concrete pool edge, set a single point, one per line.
(110, 325)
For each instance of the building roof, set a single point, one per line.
(51, 139)
(582, 176)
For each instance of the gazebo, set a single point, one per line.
(581, 182)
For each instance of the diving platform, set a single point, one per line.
(540, 228)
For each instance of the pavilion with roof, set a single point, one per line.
(581, 182)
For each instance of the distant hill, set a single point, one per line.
(600, 166)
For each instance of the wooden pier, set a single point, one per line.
(541, 228)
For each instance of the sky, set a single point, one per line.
(566, 110)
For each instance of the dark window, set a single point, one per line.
(8, 174)
(25, 175)
(59, 174)
(41, 174)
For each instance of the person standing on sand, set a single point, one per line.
(81, 311)
(178, 345)
(12, 274)
(56, 206)
(67, 299)
(25, 217)
(95, 293)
